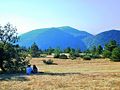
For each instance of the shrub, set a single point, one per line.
(63, 56)
(48, 61)
(87, 57)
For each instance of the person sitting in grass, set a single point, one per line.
(29, 70)
(35, 70)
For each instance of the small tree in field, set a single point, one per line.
(109, 47)
(106, 53)
(50, 51)
(11, 57)
(57, 52)
(67, 50)
(34, 50)
(93, 50)
(99, 49)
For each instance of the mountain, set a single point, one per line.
(66, 36)
(75, 32)
(102, 38)
(62, 37)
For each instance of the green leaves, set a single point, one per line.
(34, 50)
(12, 58)
(116, 54)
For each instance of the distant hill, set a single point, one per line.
(62, 37)
(102, 38)
(66, 36)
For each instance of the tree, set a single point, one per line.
(77, 51)
(72, 54)
(34, 50)
(16, 58)
(50, 51)
(109, 47)
(106, 53)
(67, 50)
(116, 54)
(8, 34)
(57, 52)
(93, 50)
(1, 56)
(11, 58)
(87, 51)
(99, 49)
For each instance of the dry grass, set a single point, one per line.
(67, 75)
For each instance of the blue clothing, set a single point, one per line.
(28, 70)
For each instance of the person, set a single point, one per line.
(35, 70)
(29, 70)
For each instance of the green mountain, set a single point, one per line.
(102, 38)
(62, 37)
(66, 36)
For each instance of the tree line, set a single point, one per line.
(110, 50)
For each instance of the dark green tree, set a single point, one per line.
(67, 50)
(77, 52)
(93, 50)
(107, 53)
(11, 58)
(99, 50)
(72, 53)
(116, 54)
(109, 47)
(34, 50)
(57, 52)
(50, 51)
(87, 51)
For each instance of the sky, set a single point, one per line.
(93, 16)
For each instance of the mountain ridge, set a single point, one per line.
(66, 36)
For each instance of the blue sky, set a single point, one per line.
(93, 16)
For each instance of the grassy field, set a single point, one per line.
(67, 75)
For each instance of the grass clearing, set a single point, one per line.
(99, 74)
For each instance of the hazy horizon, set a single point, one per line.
(92, 16)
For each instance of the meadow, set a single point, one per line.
(96, 74)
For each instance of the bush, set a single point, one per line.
(87, 57)
(14, 59)
(48, 61)
(63, 56)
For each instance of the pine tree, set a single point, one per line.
(99, 49)
(57, 52)
(109, 47)
(116, 54)
(67, 50)
(34, 50)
